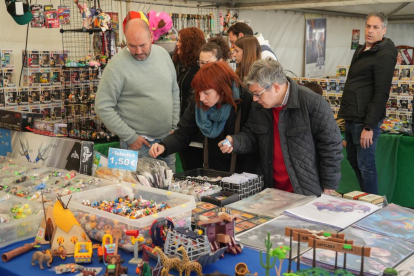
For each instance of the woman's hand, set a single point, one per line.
(156, 150)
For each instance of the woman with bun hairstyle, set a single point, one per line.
(216, 49)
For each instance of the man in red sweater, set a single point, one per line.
(293, 129)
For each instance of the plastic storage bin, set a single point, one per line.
(249, 188)
(18, 229)
(246, 189)
(97, 223)
(195, 173)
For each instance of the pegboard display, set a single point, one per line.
(79, 41)
(207, 19)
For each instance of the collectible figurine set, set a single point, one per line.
(54, 92)
(399, 105)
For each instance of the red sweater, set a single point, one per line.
(281, 179)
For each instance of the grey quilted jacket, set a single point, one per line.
(310, 138)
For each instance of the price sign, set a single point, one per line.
(122, 159)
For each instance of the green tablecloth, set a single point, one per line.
(395, 167)
(103, 148)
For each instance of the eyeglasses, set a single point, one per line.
(201, 63)
(258, 95)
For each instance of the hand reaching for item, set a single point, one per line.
(226, 146)
(156, 150)
(137, 145)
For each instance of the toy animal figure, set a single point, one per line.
(40, 257)
(188, 265)
(168, 263)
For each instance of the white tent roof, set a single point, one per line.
(398, 11)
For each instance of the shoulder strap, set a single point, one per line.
(205, 163)
(236, 130)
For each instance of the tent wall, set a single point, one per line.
(284, 30)
(286, 34)
(13, 36)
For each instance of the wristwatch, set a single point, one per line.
(367, 129)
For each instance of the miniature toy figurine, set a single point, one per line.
(83, 252)
(390, 272)
(279, 253)
(267, 265)
(188, 265)
(107, 248)
(114, 267)
(135, 240)
(18, 251)
(61, 252)
(42, 256)
(168, 263)
(242, 270)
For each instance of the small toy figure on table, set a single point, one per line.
(40, 257)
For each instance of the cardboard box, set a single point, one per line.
(17, 120)
(374, 199)
(50, 128)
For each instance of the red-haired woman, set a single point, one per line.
(221, 106)
(185, 57)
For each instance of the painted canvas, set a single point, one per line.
(393, 220)
(406, 268)
(385, 252)
(270, 202)
(276, 227)
(333, 211)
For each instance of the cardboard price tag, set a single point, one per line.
(122, 159)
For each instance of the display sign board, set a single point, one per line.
(339, 247)
(122, 159)
(320, 233)
(305, 238)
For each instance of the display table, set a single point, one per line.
(21, 265)
(394, 159)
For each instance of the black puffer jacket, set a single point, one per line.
(184, 78)
(367, 87)
(188, 129)
(310, 138)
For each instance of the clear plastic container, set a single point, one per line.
(97, 223)
(14, 229)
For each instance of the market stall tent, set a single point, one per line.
(281, 22)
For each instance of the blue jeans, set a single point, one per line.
(362, 160)
(144, 152)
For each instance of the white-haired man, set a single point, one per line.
(299, 142)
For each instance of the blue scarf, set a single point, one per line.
(212, 121)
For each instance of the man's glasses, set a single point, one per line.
(201, 63)
(258, 95)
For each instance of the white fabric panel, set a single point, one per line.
(286, 34)
(401, 34)
(284, 30)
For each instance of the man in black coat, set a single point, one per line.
(294, 130)
(365, 97)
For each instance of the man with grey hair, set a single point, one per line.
(138, 95)
(365, 97)
(298, 140)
